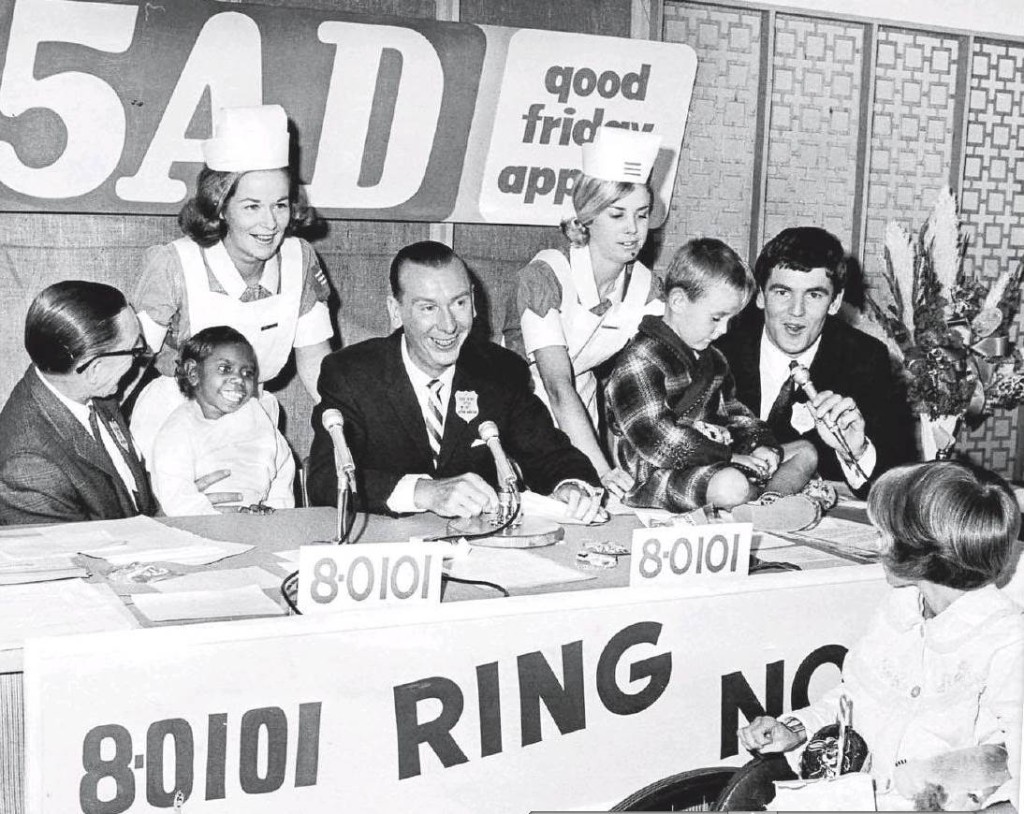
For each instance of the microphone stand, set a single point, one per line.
(345, 489)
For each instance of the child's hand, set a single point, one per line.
(769, 456)
(767, 735)
(752, 467)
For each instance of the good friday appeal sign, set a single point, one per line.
(104, 105)
(554, 702)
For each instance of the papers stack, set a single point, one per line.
(119, 542)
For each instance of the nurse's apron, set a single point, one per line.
(592, 339)
(269, 324)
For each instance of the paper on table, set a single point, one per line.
(219, 580)
(146, 540)
(535, 505)
(52, 608)
(844, 534)
(513, 569)
(216, 604)
(762, 541)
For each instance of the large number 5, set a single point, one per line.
(92, 113)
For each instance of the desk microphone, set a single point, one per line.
(802, 377)
(488, 432)
(508, 493)
(334, 423)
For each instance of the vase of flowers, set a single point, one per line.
(949, 330)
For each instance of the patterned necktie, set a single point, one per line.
(122, 444)
(784, 399)
(434, 418)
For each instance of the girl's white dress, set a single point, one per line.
(189, 445)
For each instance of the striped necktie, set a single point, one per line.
(435, 418)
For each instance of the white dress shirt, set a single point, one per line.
(401, 499)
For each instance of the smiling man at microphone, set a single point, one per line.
(426, 414)
(807, 373)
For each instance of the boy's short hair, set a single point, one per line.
(803, 248)
(199, 347)
(702, 262)
(947, 522)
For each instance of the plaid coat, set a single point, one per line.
(675, 418)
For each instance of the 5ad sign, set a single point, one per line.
(104, 105)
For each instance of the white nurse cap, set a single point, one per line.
(616, 154)
(248, 138)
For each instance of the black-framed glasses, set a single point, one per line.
(139, 352)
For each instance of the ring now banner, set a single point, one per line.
(566, 701)
(104, 105)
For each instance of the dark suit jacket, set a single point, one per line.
(52, 470)
(848, 362)
(388, 437)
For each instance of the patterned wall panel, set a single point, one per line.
(813, 130)
(993, 201)
(714, 185)
(912, 133)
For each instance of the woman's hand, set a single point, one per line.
(767, 735)
(617, 482)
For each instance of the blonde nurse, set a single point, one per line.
(578, 308)
(236, 266)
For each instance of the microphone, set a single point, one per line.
(488, 432)
(334, 423)
(802, 377)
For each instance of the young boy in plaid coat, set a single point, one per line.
(679, 428)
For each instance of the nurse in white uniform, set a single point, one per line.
(236, 266)
(579, 308)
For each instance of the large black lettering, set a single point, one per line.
(657, 668)
(826, 654)
(436, 733)
(737, 696)
(537, 682)
(489, 706)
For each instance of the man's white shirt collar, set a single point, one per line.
(774, 369)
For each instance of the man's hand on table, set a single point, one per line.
(216, 498)
(466, 495)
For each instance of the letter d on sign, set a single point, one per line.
(367, 83)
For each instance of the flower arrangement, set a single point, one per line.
(951, 331)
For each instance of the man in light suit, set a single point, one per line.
(65, 450)
(413, 402)
(801, 275)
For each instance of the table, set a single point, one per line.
(593, 599)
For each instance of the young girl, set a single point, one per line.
(941, 666)
(220, 427)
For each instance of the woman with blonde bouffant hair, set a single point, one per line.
(579, 308)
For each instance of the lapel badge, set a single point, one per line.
(466, 405)
(803, 418)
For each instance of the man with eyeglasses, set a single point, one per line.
(65, 450)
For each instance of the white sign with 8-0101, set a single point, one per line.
(664, 555)
(334, 578)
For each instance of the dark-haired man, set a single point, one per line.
(65, 450)
(801, 275)
(413, 402)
